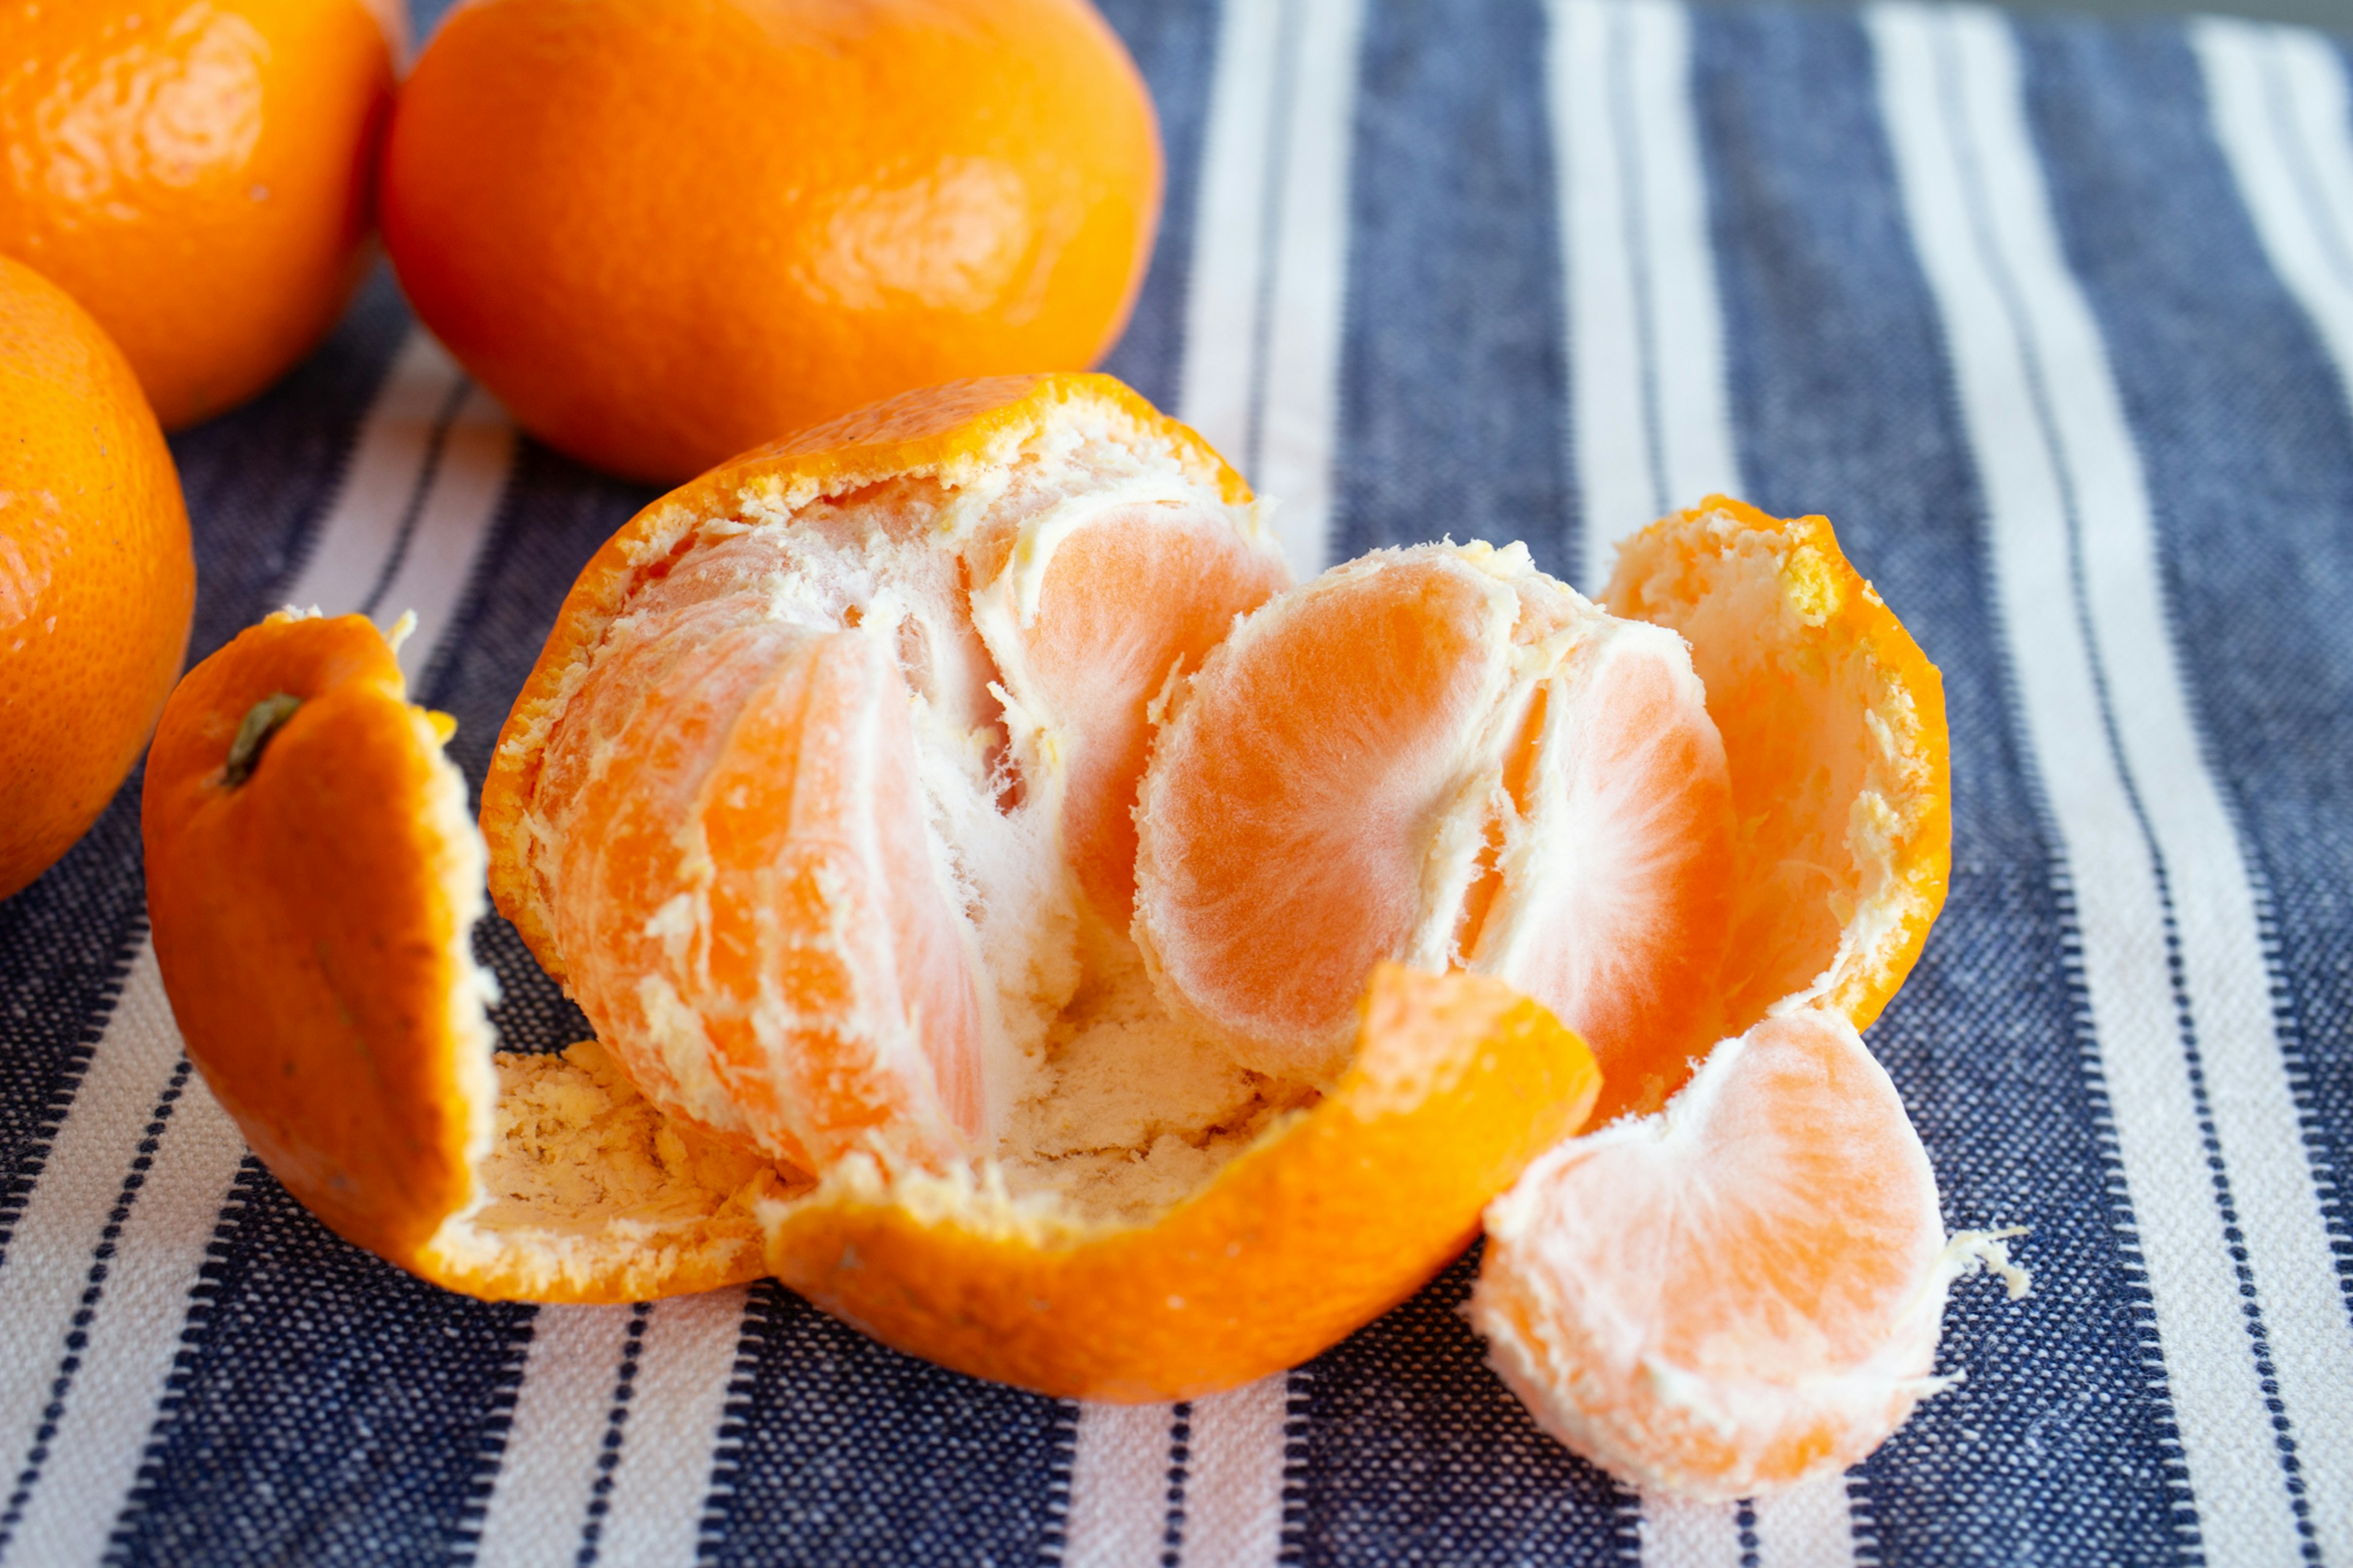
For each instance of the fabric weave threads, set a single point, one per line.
(1505, 260)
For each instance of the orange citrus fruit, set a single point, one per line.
(1016, 920)
(1740, 1293)
(663, 230)
(313, 878)
(196, 172)
(97, 583)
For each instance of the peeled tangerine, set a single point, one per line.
(1014, 919)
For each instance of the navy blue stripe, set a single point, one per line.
(1175, 43)
(1454, 402)
(2059, 1447)
(1417, 1453)
(324, 1407)
(65, 940)
(839, 1450)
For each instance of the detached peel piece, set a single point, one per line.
(313, 878)
(1332, 1218)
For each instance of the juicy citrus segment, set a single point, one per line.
(312, 879)
(1303, 783)
(1331, 1218)
(749, 895)
(1441, 756)
(1099, 604)
(1738, 1293)
(1833, 726)
(944, 447)
(1613, 901)
(801, 797)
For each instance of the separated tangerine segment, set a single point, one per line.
(1741, 1292)
(1441, 756)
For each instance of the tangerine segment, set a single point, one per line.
(1295, 798)
(312, 880)
(1328, 1220)
(1833, 725)
(963, 442)
(746, 891)
(1444, 756)
(1738, 1293)
(1101, 601)
(1614, 901)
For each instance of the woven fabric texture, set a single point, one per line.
(2053, 320)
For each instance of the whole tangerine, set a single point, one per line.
(661, 231)
(196, 172)
(96, 582)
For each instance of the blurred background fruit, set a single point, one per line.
(662, 231)
(96, 579)
(196, 173)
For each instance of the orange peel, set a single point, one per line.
(313, 881)
(1833, 726)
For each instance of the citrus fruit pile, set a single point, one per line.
(1019, 920)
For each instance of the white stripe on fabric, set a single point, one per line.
(1810, 1525)
(1233, 1479)
(664, 1477)
(113, 1340)
(1679, 1534)
(615, 1427)
(1648, 408)
(560, 1424)
(88, 1347)
(2172, 960)
(1265, 298)
(383, 489)
(428, 572)
(1650, 419)
(1119, 1487)
(2278, 100)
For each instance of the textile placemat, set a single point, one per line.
(2053, 320)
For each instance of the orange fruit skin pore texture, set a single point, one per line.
(196, 172)
(303, 931)
(96, 582)
(663, 230)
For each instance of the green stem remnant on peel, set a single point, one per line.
(261, 721)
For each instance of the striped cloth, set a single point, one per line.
(2054, 320)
